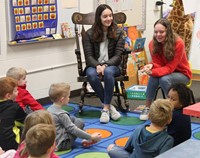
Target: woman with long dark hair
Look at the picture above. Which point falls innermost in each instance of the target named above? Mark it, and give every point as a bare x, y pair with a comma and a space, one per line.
103, 46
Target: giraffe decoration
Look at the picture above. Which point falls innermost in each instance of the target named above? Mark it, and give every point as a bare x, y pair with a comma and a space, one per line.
181, 24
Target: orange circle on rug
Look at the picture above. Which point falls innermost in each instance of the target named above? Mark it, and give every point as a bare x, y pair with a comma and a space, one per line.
121, 141
104, 133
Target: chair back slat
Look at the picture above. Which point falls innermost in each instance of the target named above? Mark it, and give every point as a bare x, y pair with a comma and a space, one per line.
83, 19
88, 19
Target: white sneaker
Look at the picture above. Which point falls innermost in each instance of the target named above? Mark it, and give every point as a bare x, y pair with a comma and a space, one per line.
144, 114
105, 116
114, 114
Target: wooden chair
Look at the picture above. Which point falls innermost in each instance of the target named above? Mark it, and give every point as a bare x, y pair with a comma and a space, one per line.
81, 20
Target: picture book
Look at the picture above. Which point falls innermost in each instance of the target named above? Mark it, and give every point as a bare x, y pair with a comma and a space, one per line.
139, 44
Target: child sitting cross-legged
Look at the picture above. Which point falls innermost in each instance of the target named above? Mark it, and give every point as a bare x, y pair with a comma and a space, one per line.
148, 141
68, 128
40, 141
24, 98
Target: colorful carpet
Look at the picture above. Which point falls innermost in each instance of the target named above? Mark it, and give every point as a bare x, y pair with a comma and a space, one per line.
113, 132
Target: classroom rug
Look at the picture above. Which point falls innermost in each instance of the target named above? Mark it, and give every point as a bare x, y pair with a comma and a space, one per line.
115, 132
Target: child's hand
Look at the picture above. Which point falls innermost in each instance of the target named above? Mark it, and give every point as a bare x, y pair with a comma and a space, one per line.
1, 151
96, 136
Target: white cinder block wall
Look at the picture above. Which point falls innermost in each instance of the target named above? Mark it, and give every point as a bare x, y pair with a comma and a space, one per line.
50, 62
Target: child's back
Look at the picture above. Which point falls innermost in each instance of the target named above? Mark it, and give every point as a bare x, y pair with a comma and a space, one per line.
9, 113
151, 140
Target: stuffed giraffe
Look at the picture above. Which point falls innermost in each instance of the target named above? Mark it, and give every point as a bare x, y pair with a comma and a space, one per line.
181, 24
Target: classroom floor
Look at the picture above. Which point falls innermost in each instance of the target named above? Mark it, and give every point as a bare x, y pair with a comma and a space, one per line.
113, 132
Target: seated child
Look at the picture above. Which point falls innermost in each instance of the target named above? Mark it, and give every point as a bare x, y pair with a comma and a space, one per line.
68, 128
40, 141
10, 112
180, 127
148, 141
34, 118
24, 98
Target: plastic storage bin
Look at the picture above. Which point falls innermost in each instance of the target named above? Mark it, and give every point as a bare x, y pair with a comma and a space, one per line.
136, 92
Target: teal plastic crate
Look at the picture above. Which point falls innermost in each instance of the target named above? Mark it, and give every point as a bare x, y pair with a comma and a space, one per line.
136, 92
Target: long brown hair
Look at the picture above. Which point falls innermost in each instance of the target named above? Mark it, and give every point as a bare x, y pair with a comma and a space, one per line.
98, 34
168, 47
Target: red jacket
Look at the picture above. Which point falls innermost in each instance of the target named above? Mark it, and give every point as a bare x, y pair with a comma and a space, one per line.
25, 98
162, 67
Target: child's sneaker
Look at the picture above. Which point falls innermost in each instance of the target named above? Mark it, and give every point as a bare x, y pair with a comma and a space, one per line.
144, 114
87, 143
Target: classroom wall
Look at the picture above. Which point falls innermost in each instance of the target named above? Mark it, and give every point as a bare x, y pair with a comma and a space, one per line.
50, 62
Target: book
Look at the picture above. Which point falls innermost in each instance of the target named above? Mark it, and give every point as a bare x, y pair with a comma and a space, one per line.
139, 109
139, 44
67, 30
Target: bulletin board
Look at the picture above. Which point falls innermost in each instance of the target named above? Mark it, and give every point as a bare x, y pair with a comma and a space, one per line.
56, 15
135, 10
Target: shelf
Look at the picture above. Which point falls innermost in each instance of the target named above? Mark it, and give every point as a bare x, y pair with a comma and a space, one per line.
38, 41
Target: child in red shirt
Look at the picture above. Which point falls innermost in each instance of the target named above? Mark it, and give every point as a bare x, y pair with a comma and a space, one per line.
24, 98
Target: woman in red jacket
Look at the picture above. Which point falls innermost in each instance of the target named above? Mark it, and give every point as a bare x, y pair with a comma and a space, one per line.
169, 62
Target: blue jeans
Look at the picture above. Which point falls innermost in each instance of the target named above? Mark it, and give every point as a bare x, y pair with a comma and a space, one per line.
118, 152
104, 93
164, 82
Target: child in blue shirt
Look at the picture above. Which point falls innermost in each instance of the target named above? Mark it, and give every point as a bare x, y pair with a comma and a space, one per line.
148, 141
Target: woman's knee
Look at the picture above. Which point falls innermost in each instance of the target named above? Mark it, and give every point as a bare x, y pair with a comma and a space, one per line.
91, 73
165, 79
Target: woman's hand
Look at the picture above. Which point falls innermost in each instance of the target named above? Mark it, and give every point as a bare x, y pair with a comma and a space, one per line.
103, 68
100, 70
147, 68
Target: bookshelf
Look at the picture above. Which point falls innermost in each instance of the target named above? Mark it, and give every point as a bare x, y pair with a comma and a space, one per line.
135, 59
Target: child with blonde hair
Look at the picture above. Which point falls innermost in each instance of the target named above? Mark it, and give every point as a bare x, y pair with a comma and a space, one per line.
148, 140
40, 141
34, 118
10, 112
68, 128
24, 98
